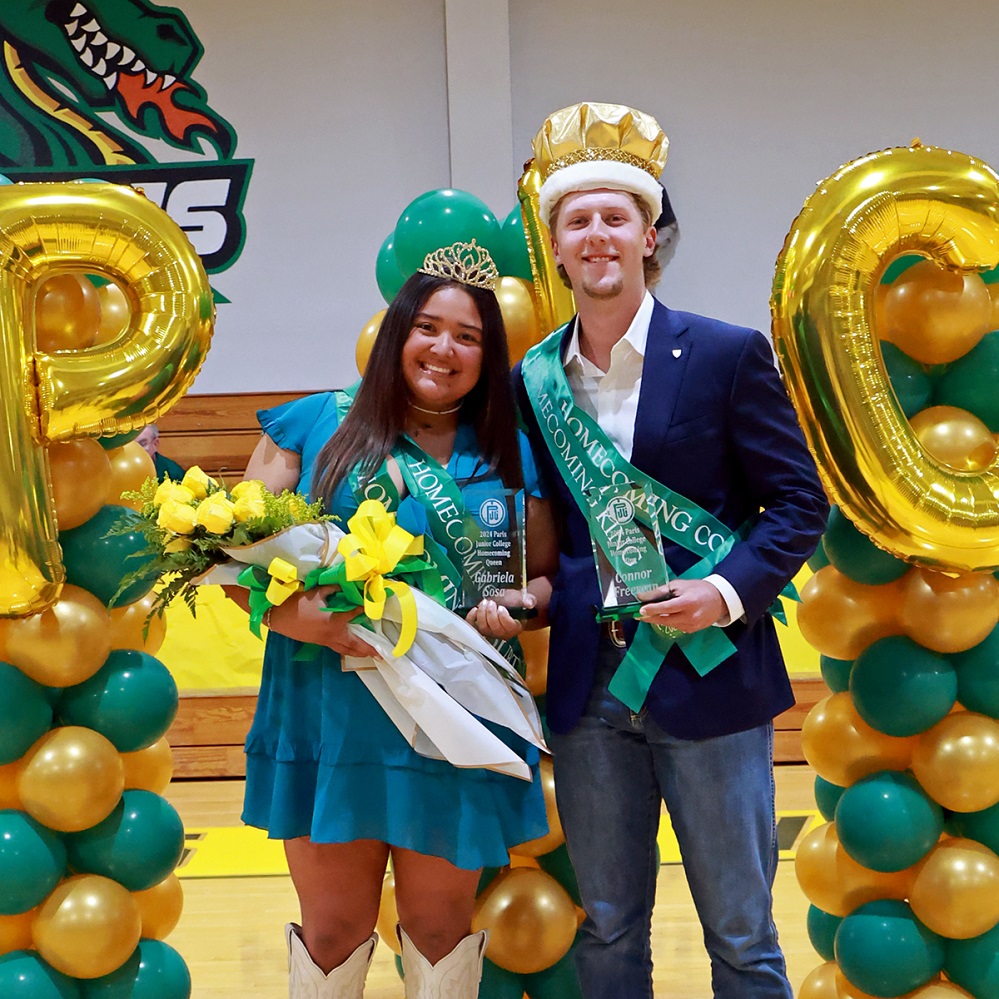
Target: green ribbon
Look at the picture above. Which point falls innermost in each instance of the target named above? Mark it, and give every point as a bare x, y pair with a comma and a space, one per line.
256, 579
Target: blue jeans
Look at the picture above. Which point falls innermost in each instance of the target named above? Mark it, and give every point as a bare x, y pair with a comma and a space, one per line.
611, 773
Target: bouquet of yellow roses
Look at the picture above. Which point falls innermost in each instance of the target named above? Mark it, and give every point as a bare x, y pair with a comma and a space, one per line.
189, 525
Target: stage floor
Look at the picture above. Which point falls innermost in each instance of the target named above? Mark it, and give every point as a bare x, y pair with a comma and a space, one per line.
237, 899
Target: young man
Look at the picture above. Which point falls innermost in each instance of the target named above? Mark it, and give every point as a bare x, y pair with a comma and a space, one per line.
694, 412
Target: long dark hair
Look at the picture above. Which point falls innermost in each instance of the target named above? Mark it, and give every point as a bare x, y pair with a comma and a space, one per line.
377, 417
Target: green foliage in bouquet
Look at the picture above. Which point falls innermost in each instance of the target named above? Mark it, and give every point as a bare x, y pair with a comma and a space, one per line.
186, 525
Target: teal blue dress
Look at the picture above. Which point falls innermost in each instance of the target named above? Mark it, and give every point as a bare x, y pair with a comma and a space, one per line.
323, 759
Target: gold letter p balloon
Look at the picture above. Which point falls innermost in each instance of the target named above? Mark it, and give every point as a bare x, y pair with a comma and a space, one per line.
113, 388
940, 204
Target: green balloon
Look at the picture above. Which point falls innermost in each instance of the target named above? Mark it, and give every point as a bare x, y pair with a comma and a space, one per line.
887, 822
25, 713
856, 556
899, 266
137, 845
901, 688
836, 673
498, 983
974, 964
912, 384
819, 559
514, 259
131, 700
983, 826
978, 676
387, 274
990, 277
486, 878
118, 440
827, 797
884, 950
440, 218
154, 971
97, 562
32, 862
24, 974
559, 866
560, 981
822, 927
970, 382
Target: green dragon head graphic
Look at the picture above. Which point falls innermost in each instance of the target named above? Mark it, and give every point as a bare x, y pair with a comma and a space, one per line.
94, 82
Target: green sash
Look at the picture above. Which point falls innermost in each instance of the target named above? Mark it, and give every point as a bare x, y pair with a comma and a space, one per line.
586, 458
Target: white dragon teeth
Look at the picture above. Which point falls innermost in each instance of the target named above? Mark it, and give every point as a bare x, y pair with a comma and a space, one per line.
100, 68
112, 50
168, 81
127, 55
79, 43
91, 27
151, 77
78, 11
111, 80
138, 66
100, 38
87, 57
71, 28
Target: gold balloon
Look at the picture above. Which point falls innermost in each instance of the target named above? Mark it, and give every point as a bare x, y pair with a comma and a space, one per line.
48, 397
81, 478
841, 618
87, 927
9, 798
555, 302
67, 313
65, 645
160, 907
832, 880
388, 915
820, 983
70, 779
130, 467
554, 837
994, 296
520, 318
116, 310
943, 205
149, 769
955, 437
957, 762
133, 628
956, 889
937, 315
535, 646
15, 931
949, 614
841, 747
366, 340
530, 917
940, 990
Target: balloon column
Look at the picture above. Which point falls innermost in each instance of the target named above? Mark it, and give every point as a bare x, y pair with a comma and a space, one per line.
87, 844
885, 326
439, 218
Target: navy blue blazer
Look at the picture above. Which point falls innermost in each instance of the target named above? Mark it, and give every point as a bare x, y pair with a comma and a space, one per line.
714, 423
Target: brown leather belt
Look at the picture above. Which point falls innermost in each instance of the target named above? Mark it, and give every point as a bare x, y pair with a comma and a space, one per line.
614, 630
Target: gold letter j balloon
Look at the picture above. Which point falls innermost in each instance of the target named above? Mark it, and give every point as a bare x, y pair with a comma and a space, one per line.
108, 389
945, 206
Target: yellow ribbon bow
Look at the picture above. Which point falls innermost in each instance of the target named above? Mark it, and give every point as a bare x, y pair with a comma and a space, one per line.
373, 548
284, 581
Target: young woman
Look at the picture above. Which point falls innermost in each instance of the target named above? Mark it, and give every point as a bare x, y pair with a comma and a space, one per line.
327, 771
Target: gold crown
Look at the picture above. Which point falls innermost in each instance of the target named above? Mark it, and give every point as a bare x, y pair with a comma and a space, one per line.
588, 131
466, 263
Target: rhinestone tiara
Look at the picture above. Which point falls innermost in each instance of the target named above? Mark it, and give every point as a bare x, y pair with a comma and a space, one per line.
466, 263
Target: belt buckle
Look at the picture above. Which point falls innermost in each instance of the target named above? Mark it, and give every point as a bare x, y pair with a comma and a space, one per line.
616, 633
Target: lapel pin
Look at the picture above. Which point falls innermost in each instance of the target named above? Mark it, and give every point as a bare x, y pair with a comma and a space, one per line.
676, 352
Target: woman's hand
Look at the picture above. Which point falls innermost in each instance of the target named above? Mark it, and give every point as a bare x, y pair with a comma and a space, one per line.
492, 619
303, 617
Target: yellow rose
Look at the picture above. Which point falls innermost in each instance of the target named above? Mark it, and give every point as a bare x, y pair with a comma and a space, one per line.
198, 482
176, 546
174, 491
250, 487
248, 507
176, 517
216, 513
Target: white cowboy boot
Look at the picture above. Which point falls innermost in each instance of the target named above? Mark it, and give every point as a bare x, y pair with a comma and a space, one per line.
307, 981
455, 976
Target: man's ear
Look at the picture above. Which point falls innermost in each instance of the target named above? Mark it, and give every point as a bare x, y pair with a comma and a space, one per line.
650, 241
554, 242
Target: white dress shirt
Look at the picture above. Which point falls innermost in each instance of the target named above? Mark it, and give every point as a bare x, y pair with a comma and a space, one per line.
611, 398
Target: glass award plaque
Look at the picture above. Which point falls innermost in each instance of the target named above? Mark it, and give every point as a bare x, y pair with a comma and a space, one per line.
493, 552
627, 548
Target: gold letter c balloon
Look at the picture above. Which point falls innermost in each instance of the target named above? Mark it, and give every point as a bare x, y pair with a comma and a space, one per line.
108, 389
945, 206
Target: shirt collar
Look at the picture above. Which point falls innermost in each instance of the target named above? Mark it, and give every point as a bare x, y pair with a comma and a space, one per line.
636, 337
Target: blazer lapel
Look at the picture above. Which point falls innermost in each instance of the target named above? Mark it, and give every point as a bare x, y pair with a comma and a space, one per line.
666, 355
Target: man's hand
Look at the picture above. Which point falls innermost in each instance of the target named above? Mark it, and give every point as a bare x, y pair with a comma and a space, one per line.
694, 605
